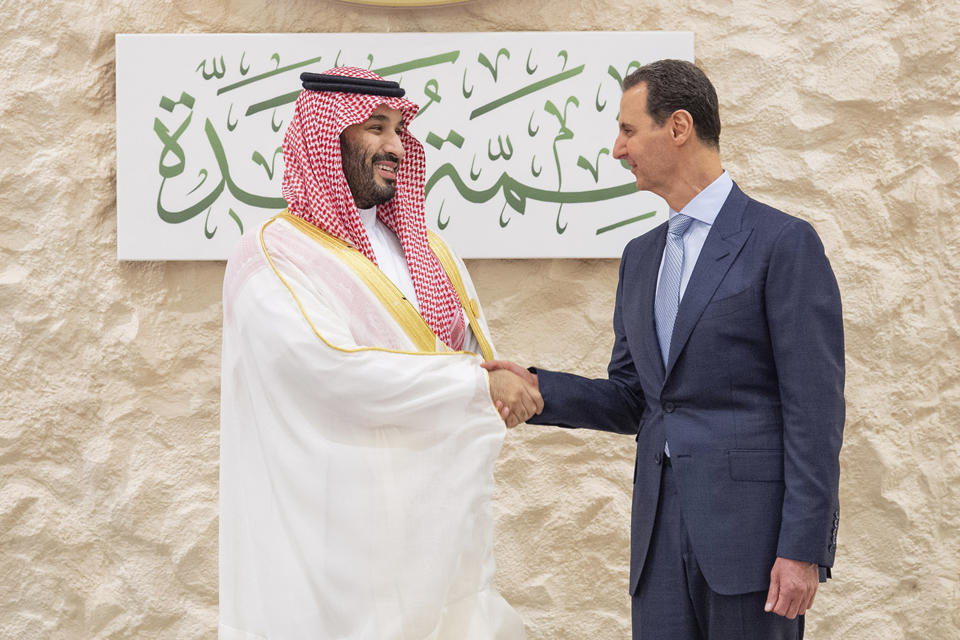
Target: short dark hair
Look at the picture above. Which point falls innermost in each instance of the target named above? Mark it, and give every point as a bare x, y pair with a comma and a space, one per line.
677, 84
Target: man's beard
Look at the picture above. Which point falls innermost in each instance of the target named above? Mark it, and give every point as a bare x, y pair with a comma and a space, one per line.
367, 192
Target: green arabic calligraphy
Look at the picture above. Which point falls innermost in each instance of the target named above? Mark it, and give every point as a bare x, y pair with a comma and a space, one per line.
186, 100
206, 226
516, 193
563, 133
226, 181
453, 138
171, 144
474, 174
594, 167
525, 91
494, 66
419, 63
600, 107
613, 73
268, 74
215, 73
622, 223
506, 152
441, 223
203, 178
205, 195
432, 90
260, 160
530, 70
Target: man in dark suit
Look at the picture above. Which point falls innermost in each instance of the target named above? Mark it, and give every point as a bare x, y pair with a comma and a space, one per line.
728, 368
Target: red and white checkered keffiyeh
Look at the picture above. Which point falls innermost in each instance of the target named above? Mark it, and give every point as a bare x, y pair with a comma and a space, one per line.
316, 190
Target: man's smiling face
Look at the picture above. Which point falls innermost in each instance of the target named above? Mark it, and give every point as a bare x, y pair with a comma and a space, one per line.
372, 153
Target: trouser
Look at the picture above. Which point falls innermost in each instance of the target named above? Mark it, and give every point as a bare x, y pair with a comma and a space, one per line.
673, 600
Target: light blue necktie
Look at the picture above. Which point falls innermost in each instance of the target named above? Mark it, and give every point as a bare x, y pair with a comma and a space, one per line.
668, 291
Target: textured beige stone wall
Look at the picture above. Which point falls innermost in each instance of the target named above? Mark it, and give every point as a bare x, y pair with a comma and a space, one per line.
843, 113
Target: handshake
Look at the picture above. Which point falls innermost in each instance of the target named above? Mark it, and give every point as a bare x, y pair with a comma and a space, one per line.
514, 390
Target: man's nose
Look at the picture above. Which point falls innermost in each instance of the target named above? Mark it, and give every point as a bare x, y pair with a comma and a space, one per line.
619, 148
394, 145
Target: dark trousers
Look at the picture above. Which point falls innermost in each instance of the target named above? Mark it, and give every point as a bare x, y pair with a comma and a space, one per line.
673, 600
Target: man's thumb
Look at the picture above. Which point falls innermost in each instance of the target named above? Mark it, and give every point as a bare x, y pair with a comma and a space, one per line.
773, 592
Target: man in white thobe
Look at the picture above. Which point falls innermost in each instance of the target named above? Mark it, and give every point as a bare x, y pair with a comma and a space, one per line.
358, 431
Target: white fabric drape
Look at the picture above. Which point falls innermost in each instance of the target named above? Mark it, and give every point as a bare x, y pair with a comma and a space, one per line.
355, 482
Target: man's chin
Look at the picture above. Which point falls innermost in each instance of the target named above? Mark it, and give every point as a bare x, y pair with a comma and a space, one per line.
386, 188
637, 180
385, 195
643, 185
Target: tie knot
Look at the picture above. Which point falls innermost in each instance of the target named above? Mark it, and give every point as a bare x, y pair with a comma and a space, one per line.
679, 224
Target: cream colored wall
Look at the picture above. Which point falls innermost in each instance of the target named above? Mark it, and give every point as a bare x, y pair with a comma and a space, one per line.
842, 113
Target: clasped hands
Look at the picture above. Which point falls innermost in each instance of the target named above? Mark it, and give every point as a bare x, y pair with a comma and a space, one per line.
514, 390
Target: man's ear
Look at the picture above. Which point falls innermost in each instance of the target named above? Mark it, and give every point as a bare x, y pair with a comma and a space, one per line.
681, 126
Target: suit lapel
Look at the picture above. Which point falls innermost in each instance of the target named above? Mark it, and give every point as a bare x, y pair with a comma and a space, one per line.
647, 272
720, 249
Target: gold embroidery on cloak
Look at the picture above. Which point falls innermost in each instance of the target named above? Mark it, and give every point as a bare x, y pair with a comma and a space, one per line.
402, 311
470, 306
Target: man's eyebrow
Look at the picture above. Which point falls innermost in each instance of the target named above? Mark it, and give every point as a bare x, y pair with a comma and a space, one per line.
379, 117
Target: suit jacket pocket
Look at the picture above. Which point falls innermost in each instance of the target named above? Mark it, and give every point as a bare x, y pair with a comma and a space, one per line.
756, 465
745, 299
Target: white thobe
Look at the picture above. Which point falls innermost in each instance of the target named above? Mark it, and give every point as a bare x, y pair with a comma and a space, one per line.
356, 471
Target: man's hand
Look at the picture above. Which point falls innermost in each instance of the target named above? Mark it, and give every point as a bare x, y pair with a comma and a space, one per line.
513, 367
516, 399
793, 585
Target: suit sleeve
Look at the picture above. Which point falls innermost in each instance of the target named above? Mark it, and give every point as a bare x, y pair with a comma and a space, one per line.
806, 332
612, 404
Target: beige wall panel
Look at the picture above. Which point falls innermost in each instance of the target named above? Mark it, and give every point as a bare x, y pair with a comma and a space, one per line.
844, 114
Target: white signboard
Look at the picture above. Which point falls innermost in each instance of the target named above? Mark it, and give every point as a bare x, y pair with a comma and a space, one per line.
518, 130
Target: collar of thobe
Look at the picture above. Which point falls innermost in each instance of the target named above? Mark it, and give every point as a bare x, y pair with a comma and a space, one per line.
390, 257
369, 218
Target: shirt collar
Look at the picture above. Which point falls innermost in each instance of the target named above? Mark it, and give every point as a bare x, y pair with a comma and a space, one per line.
706, 205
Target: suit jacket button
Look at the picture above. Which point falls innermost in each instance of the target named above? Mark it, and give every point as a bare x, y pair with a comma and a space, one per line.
668, 407
658, 458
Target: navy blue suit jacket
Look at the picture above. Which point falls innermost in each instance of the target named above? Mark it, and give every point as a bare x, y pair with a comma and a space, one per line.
750, 399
